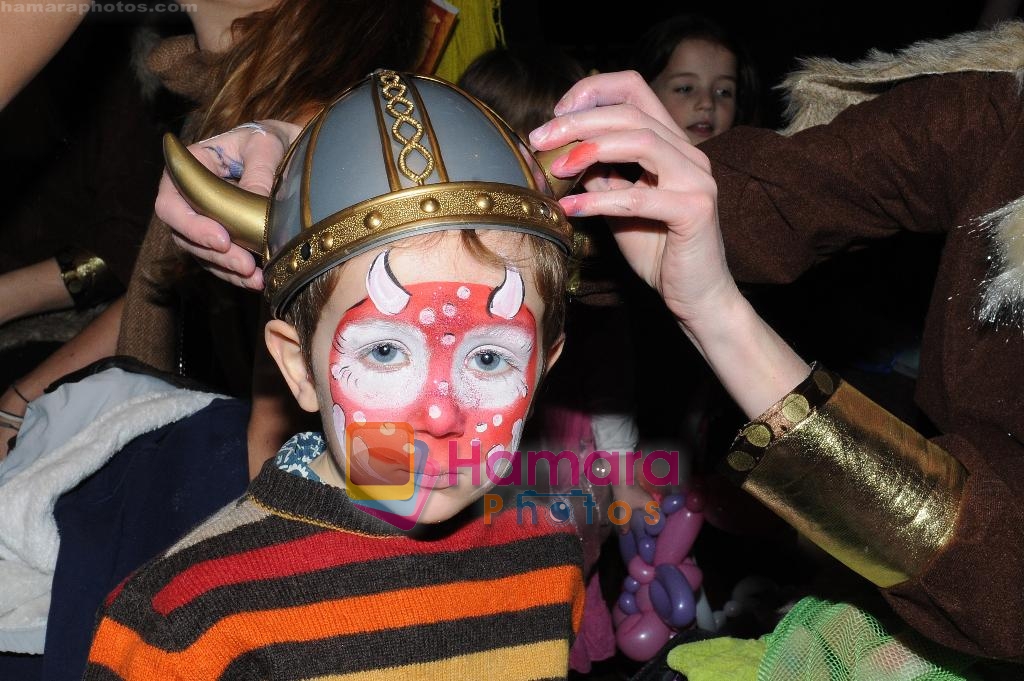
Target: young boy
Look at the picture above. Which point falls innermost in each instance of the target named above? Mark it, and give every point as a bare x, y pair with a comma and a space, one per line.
417, 291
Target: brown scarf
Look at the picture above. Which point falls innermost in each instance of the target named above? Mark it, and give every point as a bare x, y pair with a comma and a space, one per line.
149, 323
184, 69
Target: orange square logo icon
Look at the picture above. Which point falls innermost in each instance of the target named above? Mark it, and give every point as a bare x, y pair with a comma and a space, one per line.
380, 461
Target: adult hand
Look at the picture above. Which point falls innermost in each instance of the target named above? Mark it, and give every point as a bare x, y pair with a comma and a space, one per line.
666, 221
666, 224
249, 154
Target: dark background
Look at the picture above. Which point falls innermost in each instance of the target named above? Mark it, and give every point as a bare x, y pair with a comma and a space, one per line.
602, 35
37, 126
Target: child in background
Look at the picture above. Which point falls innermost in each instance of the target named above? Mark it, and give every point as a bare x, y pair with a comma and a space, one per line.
397, 300
701, 74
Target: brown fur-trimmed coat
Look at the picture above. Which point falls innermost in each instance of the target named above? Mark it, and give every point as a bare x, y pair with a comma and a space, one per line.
927, 140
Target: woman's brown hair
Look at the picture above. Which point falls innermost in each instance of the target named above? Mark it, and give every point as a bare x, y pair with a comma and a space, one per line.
296, 56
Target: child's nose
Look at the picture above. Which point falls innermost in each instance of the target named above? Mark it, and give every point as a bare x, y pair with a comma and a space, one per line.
443, 416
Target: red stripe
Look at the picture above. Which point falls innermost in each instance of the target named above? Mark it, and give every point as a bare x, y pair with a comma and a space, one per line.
329, 549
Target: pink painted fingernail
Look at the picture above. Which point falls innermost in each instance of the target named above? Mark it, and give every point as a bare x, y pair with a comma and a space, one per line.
581, 156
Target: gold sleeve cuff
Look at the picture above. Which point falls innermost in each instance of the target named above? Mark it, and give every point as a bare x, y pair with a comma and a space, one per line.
851, 477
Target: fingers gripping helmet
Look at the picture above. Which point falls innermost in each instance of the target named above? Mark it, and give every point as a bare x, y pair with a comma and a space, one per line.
394, 156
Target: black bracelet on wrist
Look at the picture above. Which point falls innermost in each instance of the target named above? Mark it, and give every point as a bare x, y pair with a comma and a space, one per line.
17, 392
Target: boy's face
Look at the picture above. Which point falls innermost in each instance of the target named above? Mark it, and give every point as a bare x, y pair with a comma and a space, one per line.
433, 338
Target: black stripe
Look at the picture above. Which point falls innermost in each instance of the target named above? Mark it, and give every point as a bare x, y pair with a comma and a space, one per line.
408, 645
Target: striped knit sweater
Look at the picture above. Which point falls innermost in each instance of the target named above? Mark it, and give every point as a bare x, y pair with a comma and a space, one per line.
294, 582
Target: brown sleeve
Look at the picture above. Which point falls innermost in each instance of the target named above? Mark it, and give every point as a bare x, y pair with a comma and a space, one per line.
902, 161
970, 595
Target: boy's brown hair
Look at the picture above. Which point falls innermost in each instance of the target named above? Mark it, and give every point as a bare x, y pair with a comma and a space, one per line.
547, 259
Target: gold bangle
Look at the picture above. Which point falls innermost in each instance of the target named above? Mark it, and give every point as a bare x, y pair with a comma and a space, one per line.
755, 438
86, 277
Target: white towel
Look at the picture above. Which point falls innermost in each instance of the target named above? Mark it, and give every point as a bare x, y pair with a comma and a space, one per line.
67, 435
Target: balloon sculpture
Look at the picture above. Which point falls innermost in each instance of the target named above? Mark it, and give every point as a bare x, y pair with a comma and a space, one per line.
657, 597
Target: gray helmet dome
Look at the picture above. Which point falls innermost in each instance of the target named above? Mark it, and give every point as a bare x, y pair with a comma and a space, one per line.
394, 156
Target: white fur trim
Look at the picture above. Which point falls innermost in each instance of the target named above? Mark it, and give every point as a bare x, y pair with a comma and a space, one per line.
1002, 297
823, 87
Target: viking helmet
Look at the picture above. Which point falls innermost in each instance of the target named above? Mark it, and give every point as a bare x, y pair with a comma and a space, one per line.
394, 156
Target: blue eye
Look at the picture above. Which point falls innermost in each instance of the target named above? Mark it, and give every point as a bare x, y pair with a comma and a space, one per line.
386, 353
489, 361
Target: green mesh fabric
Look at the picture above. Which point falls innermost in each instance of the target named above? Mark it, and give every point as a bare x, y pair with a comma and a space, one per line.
825, 641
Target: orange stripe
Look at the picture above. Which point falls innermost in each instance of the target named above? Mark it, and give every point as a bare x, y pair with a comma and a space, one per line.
543, 660
123, 650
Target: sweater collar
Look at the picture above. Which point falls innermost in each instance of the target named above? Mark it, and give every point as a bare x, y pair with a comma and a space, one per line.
282, 489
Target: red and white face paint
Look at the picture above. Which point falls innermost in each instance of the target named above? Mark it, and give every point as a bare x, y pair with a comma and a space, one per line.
456, 361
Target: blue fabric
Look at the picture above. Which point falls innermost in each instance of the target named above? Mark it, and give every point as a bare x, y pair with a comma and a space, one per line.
14, 667
301, 450
148, 495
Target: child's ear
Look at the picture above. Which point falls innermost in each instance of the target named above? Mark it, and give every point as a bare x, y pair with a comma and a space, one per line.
554, 352
283, 344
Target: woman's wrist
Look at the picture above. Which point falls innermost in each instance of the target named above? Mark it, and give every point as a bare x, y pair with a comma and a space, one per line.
754, 364
13, 403
717, 320
12, 413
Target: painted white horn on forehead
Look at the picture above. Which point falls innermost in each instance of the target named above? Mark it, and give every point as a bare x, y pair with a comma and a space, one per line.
384, 290
506, 300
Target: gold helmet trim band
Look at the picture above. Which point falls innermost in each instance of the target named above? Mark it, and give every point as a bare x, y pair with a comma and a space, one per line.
408, 212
